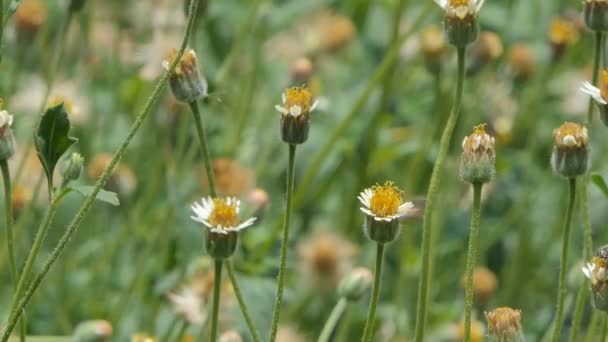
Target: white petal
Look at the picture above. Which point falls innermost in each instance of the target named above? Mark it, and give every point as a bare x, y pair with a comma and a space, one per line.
442, 3
461, 11
295, 110
281, 109
594, 92
367, 211
569, 140
479, 5
283, 98
314, 105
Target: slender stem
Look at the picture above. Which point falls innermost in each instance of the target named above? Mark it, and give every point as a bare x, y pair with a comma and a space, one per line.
88, 202
471, 258
604, 328
596, 67
239, 297
2, 24
590, 334
216, 300
368, 332
581, 298
333, 320
169, 331
561, 292
200, 130
281, 278
432, 193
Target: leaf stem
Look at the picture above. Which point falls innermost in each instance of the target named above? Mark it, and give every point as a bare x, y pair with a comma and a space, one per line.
471, 258
217, 285
200, 130
333, 320
368, 332
561, 292
88, 202
432, 194
239, 297
284, 243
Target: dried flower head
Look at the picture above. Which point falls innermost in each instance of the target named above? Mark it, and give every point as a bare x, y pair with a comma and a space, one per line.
301, 70
486, 49
485, 284
231, 177
295, 113
570, 157
504, 324
521, 61
325, 257
186, 81
188, 304
29, 17
597, 272
478, 161
337, 32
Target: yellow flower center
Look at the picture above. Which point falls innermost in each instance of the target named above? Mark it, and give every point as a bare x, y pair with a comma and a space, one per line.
458, 3
385, 200
187, 64
565, 134
298, 96
599, 262
604, 84
224, 214
562, 32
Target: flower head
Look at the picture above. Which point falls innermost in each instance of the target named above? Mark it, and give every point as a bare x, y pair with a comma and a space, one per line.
220, 215
186, 81
504, 324
570, 157
570, 135
484, 284
188, 304
477, 164
597, 272
563, 33
461, 9
297, 101
6, 121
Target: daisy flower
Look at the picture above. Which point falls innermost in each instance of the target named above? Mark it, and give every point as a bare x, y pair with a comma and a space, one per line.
297, 101
220, 215
385, 203
600, 95
460, 8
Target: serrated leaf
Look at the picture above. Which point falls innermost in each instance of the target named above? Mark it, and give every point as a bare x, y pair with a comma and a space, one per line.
103, 195
52, 139
599, 181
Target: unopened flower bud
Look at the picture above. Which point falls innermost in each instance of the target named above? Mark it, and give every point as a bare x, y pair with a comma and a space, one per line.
478, 160
596, 14
93, 331
570, 157
504, 325
76, 5
230, 336
461, 24
433, 47
295, 114
186, 81
597, 272
71, 169
563, 34
356, 284
7, 139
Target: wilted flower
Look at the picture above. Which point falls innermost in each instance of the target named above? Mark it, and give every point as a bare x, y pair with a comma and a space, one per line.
599, 95
295, 114
383, 206
461, 24
29, 17
521, 61
7, 139
504, 324
93, 331
570, 157
484, 284
186, 81
433, 47
325, 258
596, 14
597, 272
188, 304
220, 216
563, 34
478, 161
356, 284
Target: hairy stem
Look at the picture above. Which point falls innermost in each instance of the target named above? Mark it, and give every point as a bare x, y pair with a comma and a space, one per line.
333, 320
217, 285
471, 257
239, 296
200, 130
369, 325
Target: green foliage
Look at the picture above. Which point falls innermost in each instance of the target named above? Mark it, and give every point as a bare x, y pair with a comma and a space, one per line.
102, 196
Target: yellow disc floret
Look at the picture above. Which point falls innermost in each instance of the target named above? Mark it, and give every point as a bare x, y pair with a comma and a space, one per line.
187, 64
224, 213
298, 96
570, 135
458, 3
385, 200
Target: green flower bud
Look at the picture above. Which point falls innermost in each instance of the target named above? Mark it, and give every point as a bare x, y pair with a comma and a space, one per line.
186, 81
478, 161
356, 284
7, 139
295, 114
596, 14
570, 156
93, 331
221, 245
71, 169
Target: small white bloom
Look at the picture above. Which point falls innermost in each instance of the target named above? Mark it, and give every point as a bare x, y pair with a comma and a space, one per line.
387, 209
220, 215
594, 92
188, 304
459, 8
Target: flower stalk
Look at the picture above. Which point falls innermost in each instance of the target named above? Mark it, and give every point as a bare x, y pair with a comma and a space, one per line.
333, 320
369, 325
200, 130
255, 335
216, 300
471, 257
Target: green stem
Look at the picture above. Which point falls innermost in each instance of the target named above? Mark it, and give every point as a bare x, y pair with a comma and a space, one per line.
239, 297
433, 191
561, 292
596, 67
281, 277
590, 334
581, 298
604, 328
2, 24
368, 332
471, 258
200, 130
333, 320
169, 331
182, 330
217, 285
88, 202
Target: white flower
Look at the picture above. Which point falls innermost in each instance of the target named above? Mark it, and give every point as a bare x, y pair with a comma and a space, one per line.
460, 8
388, 206
296, 101
594, 92
220, 215
6, 120
588, 270
188, 304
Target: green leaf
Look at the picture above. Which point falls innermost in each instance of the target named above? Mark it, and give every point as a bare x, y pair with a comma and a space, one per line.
52, 139
600, 183
103, 195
